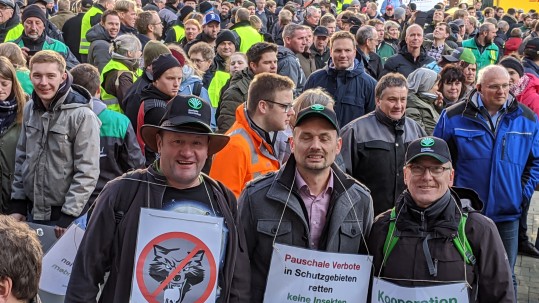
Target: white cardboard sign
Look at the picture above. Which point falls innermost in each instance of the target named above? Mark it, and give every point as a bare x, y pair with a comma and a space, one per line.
383, 291
303, 275
177, 257
58, 261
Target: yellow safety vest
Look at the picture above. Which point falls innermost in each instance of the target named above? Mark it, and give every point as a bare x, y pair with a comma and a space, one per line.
248, 36
14, 33
179, 31
217, 83
85, 27
340, 4
110, 100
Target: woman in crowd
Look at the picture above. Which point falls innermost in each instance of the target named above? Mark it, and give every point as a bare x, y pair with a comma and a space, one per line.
12, 100
236, 63
388, 47
423, 98
451, 84
14, 54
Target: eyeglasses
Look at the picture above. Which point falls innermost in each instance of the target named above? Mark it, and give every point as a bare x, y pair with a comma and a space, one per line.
435, 171
498, 87
286, 107
4, 8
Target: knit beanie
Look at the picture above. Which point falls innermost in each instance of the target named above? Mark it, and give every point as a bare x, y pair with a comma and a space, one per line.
247, 4
225, 35
34, 11
186, 10
205, 7
510, 62
162, 64
152, 50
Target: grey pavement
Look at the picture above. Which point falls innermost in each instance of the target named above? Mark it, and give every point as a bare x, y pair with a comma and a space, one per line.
526, 268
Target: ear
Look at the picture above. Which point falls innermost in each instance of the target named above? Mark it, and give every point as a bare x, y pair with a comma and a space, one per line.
451, 177
6, 285
478, 87
406, 173
339, 145
64, 76
252, 65
263, 107
292, 144
159, 142
378, 101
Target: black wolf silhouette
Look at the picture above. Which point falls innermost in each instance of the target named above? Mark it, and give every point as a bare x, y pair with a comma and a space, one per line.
166, 260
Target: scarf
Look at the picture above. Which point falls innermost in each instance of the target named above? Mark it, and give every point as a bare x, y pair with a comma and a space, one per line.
8, 113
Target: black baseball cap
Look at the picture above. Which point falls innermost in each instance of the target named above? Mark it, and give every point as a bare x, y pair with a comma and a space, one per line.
533, 44
321, 31
318, 110
428, 146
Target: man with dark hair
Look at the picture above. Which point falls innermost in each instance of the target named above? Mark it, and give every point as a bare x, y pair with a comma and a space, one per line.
254, 136
91, 16
437, 47
100, 37
210, 30
345, 79
327, 211
245, 33
120, 151
374, 145
173, 183
486, 52
320, 48
20, 261
149, 27
367, 41
53, 183
261, 57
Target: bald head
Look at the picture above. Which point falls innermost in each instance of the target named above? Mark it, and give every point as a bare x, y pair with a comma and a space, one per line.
492, 71
493, 86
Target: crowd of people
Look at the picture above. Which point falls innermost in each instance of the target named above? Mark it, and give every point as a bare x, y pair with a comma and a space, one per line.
334, 126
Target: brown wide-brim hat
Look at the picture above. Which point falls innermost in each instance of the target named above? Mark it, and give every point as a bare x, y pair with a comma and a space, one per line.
186, 115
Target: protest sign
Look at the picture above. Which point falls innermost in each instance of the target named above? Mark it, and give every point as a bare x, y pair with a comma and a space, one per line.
177, 257
421, 5
58, 261
383, 291
303, 275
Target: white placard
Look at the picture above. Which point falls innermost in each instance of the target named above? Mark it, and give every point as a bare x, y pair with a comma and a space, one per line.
303, 275
58, 261
421, 5
177, 257
383, 291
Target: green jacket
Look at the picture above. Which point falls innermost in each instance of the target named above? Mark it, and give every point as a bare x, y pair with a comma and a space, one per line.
489, 56
23, 75
385, 50
55, 45
422, 111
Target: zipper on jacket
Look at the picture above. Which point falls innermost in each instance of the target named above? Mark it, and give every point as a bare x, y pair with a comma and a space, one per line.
503, 148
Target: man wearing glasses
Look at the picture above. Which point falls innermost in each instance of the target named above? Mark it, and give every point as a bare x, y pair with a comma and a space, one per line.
416, 243
494, 143
256, 134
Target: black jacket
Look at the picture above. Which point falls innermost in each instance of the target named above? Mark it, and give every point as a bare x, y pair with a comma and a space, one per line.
132, 99
373, 150
71, 32
110, 246
404, 63
373, 65
490, 277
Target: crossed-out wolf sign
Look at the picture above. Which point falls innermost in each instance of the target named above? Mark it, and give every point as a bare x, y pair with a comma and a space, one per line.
175, 267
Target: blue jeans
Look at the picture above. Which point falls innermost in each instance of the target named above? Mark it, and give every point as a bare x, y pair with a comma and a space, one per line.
509, 233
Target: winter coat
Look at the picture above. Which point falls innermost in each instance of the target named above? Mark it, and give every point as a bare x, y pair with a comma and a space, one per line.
288, 65
63, 171
262, 203
47, 43
421, 110
529, 95
385, 50
307, 63
13, 22
132, 98
320, 59
490, 54
404, 63
530, 67
501, 165
373, 149
373, 64
235, 95
490, 278
100, 40
246, 156
61, 17
71, 33
169, 13
353, 90
8, 143
120, 151
110, 246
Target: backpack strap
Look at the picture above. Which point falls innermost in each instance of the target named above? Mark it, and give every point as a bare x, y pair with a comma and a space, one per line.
197, 89
461, 242
391, 238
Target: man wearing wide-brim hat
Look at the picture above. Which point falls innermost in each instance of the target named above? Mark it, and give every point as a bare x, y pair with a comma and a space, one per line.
184, 140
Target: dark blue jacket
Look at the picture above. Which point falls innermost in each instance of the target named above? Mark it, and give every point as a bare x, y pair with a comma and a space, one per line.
502, 166
353, 90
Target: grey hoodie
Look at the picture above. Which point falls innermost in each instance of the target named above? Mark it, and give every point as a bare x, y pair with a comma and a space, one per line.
100, 40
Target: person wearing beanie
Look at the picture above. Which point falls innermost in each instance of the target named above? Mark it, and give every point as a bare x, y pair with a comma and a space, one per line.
205, 7
250, 6
177, 32
226, 45
10, 23
167, 75
132, 98
514, 68
50, 29
34, 38
246, 34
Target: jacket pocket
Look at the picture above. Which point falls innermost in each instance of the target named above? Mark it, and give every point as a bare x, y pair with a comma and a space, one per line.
351, 107
350, 236
58, 142
516, 147
271, 228
472, 144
